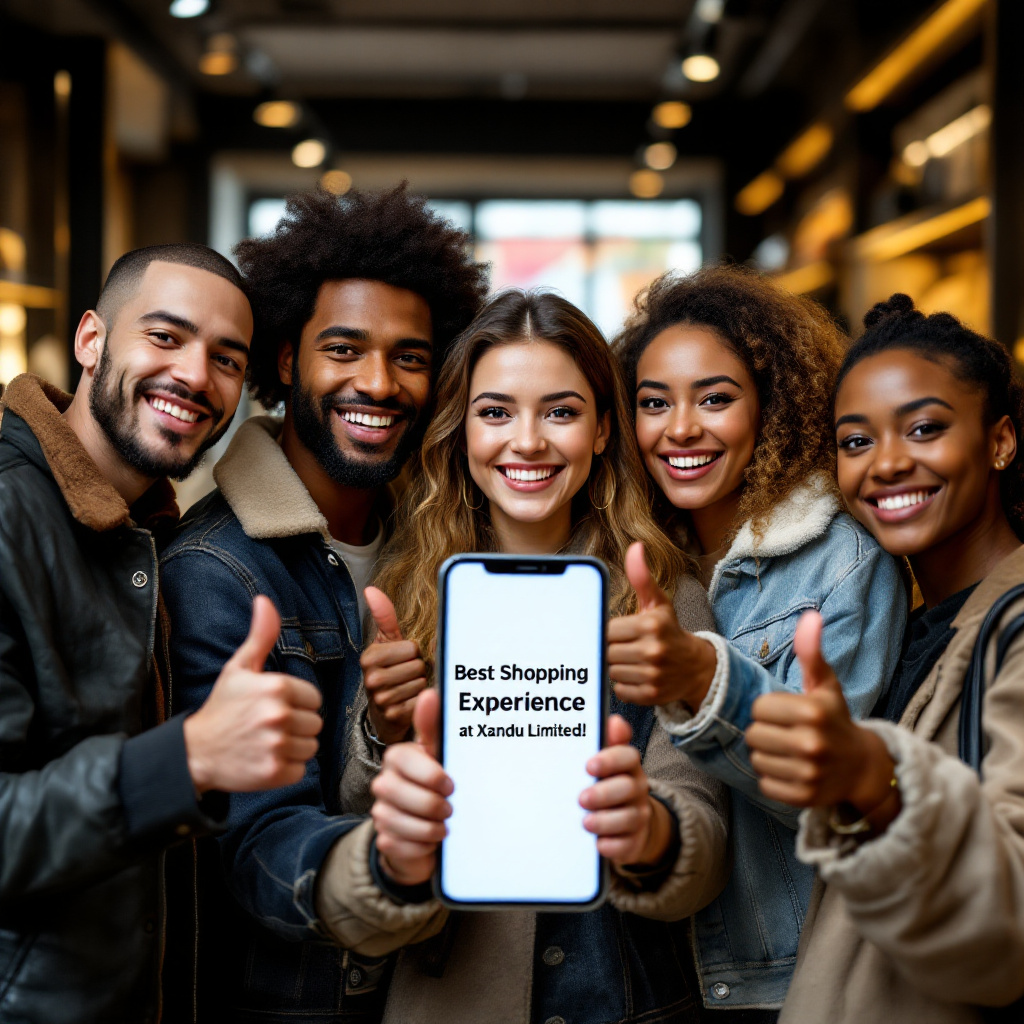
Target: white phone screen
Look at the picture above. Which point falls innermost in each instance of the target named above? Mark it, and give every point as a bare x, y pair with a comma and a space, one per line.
522, 664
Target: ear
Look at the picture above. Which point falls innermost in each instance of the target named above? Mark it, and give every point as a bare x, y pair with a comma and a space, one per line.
285, 358
1004, 439
90, 338
604, 432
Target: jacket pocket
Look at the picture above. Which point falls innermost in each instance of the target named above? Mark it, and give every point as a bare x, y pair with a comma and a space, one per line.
311, 642
766, 641
14, 950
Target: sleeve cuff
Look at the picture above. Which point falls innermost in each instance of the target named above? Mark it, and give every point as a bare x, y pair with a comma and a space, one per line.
649, 877
677, 718
400, 894
159, 799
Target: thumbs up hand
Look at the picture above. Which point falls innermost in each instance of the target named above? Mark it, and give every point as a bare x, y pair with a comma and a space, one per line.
393, 672
651, 659
807, 749
411, 799
256, 729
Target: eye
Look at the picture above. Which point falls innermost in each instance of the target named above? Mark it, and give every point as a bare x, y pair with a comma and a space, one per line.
412, 360
717, 398
228, 362
926, 430
564, 412
163, 337
652, 402
853, 441
341, 349
493, 412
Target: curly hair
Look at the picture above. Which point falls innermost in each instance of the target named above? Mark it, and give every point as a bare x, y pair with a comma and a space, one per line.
435, 519
388, 236
978, 362
790, 346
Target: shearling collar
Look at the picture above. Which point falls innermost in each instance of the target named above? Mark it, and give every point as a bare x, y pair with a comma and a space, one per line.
803, 515
92, 500
263, 490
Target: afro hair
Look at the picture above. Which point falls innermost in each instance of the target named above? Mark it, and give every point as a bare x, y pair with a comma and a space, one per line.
389, 236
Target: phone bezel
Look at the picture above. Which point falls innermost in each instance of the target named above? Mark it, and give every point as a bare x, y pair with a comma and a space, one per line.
539, 565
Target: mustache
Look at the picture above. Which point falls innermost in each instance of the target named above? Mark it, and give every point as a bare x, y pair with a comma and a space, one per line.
331, 402
178, 391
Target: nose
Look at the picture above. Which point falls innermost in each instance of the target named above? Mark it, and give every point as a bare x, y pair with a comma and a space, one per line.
191, 368
891, 460
528, 439
683, 426
375, 378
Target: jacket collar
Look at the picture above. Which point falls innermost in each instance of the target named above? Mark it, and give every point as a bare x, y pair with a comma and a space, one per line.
92, 500
803, 515
941, 689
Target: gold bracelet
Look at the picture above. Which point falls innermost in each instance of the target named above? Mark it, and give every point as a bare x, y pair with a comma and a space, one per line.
861, 825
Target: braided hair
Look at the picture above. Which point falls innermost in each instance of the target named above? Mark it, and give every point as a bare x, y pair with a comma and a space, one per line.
978, 362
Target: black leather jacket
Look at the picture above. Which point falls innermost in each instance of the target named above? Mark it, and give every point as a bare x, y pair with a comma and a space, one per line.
89, 797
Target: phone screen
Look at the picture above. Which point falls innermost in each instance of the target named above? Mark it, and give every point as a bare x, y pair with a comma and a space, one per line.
522, 667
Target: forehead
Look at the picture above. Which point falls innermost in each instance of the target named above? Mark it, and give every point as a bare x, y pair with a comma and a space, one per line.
887, 380
208, 300
378, 308
686, 352
527, 369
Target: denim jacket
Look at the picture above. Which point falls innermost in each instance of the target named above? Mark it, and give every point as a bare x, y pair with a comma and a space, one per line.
812, 555
261, 947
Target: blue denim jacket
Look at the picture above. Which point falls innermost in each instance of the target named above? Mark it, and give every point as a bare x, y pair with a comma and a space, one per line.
261, 946
812, 556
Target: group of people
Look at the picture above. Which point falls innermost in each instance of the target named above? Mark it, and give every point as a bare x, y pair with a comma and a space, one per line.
220, 795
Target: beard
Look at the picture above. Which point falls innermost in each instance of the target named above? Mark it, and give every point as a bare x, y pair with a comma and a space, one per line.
314, 429
117, 414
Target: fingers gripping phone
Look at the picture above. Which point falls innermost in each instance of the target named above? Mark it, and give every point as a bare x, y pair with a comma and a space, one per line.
522, 678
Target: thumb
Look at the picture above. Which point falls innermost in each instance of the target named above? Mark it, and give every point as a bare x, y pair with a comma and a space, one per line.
383, 612
618, 732
263, 633
817, 672
649, 594
426, 720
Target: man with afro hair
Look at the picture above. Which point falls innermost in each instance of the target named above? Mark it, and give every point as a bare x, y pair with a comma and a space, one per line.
356, 302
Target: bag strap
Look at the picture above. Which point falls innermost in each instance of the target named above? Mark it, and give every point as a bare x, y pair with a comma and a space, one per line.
972, 745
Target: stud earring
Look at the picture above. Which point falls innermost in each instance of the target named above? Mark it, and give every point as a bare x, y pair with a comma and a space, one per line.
1000, 463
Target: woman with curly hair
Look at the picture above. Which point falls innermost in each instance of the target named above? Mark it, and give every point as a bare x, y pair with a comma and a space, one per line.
732, 379
920, 855
526, 454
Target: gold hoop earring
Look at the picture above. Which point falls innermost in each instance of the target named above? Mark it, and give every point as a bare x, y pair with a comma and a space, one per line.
465, 499
607, 504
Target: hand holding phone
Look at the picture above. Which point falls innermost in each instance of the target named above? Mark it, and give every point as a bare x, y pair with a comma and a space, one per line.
394, 673
410, 800
651, 658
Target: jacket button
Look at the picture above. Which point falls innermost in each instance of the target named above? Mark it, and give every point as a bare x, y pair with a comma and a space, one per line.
553, 956
720, 990
332, 558
355, 977
555, 1020
140, 579
308, 648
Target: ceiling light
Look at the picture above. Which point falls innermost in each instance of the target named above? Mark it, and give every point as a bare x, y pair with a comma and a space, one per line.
806, 151
710, 11
660, 156
277, 114
701, 67
671, 114
309, 153
916, 154
219, 62
337, 182
646, 184
942, 142
222, 42
756, 197
12, 318
920, 46
189, 8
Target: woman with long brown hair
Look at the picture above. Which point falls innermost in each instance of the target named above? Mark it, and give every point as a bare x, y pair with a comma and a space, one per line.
525, 455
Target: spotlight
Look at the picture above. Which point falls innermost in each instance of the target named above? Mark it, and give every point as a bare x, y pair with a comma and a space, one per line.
660, 156
309, 153
701, 67
646, 184
277, 114
337, 182
219, 62
671, 114
189, 8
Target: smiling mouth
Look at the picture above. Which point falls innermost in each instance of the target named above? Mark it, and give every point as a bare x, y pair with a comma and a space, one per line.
363, 419
897, 502
691, 461
171, 409
529, 475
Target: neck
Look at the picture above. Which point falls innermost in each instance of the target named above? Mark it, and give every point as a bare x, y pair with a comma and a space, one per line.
965, 557
547, 537
348, 510
712, 523
127, 481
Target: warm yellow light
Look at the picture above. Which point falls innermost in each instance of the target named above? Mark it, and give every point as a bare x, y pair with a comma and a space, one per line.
671, 114
810, 278
701, 67
928, 38
646, 184
222, 42
13, 359
218, 63
338, 182
916, 154
660, 156
756, 197
276, 114
1018, 350
309, 153
12, 318
62, 84
12, 250
806, 151
885, 243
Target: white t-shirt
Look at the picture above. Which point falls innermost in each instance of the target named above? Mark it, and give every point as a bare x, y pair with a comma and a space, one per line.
360, 561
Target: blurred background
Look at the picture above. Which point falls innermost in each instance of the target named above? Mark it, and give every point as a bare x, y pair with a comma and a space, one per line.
850, 147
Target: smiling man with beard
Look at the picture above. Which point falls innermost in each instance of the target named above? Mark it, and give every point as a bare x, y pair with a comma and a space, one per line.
357, 301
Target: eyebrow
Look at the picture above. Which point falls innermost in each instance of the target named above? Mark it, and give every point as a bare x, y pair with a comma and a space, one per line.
899, 411
184, 324
656, 384
557, 396
493, 396
358, 334
703, 382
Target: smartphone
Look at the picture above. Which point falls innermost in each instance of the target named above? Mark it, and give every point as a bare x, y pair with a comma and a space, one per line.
522, 674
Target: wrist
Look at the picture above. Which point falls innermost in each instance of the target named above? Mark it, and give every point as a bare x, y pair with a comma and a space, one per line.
873, 783
198, 767
704, 662
659, 833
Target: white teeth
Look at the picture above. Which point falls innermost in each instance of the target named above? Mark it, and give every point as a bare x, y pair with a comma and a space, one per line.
528, 475
898, 501
174, 410
690, 461
366, 420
